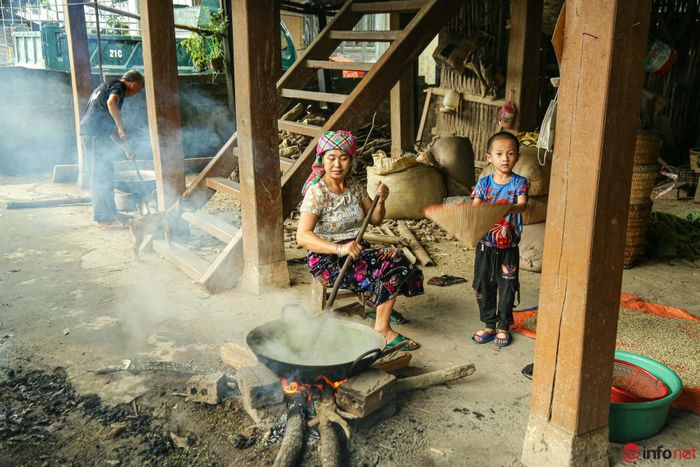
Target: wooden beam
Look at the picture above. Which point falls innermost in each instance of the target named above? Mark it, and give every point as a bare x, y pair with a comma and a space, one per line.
313, 96
81, 76
328, 65
393, 6
522, 73
299, 128
372, 89
264, 263
211, 224
365, 36
228, 60
163, 99
599, 97
222, 165
225, 186
402, 102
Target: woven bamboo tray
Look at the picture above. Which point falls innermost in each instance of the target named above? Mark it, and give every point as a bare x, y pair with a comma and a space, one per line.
643, 181
637, 224
647, 148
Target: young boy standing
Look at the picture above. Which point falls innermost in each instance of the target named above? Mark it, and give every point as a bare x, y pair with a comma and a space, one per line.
497, 254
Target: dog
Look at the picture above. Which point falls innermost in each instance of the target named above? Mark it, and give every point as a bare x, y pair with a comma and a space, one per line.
144, 228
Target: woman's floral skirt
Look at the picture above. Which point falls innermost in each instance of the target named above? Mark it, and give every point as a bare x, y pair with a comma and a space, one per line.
379, 274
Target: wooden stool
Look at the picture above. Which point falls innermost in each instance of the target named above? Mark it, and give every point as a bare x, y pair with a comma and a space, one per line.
321, 293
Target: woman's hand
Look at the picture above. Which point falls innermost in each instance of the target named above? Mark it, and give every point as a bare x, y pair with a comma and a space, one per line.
382, 192
352, 248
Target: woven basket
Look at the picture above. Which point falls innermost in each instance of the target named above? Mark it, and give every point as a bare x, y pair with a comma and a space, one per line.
647, 148
643, 181
637, 224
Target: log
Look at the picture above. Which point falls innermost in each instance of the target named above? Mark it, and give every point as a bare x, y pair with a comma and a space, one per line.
46, 203
434, 378
329, 448
422, 255
293, 441
409, 255
294, 112
237, 356
395, 364
390, 239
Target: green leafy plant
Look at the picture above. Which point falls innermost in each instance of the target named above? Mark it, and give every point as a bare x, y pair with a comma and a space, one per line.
208, 49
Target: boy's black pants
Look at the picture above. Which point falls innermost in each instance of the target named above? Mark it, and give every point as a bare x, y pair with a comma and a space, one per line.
496, 276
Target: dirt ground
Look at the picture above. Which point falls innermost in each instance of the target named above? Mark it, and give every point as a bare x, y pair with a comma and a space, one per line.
73, 300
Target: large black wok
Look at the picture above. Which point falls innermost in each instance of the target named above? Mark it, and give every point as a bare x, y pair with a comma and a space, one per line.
304, 348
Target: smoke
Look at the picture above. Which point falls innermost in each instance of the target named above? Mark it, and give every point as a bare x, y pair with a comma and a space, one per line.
37, 124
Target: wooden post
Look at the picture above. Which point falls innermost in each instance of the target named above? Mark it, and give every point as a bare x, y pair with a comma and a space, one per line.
81, 78
523, 67
599, 96
401, 100
163, 99
228, 59
256, 23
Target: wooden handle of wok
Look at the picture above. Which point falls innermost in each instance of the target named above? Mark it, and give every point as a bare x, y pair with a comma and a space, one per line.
348, 260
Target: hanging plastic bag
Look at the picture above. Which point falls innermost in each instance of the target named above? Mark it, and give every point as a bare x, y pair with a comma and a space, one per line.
507, 113
545, 140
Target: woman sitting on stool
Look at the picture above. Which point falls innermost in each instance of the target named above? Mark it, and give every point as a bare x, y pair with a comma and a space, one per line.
332, 212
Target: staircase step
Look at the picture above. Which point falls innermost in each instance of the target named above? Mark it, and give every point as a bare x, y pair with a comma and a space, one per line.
405, 6
211, 225
286, 162
226, 186
299, 128
365, 36
313, 96
183, 258
329, 65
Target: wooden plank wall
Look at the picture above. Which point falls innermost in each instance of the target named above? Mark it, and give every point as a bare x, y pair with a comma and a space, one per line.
476, 121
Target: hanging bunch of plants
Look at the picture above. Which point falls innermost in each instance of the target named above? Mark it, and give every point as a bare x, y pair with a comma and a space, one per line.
206, 50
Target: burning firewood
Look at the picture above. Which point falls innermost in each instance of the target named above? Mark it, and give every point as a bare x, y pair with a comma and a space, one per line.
326, 414
293, 441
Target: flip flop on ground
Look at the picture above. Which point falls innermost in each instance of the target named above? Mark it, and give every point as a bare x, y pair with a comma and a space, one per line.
483, 336
396, 317
411, 345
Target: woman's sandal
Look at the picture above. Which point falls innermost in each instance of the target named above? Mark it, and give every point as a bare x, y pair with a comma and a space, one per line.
396, 317
410, 346
483, 338
507, 339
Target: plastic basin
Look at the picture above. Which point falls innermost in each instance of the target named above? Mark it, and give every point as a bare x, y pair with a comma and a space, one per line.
640, 420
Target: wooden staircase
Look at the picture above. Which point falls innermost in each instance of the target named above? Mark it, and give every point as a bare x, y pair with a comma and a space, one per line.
429, 16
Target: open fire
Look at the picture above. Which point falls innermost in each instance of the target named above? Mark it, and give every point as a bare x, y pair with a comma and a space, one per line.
294, 388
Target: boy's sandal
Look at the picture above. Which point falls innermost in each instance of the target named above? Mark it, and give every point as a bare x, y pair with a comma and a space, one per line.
528, 370
507, 339
396, 317
409, 346
483, 338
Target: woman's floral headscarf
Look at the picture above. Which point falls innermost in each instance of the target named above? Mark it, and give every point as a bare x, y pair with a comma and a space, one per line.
330, 140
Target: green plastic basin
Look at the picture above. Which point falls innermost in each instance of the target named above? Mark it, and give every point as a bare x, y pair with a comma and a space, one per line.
640, 420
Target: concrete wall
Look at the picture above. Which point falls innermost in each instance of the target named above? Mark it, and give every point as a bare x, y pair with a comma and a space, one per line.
37, 127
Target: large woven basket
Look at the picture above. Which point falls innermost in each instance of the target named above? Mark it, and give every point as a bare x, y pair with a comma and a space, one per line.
637, 225
647, 148
643, 180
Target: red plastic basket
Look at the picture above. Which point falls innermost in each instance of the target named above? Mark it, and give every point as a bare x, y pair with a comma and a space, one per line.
631, 383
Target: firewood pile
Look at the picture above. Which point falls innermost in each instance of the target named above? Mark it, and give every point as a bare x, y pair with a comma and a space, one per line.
292, 145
